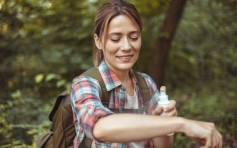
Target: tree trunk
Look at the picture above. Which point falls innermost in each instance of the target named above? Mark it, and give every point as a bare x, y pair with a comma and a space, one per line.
167, 31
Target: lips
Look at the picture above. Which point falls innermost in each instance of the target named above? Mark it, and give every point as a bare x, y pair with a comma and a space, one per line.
125, 58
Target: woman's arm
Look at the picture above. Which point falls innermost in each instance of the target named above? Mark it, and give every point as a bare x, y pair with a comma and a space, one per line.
134, 127
130, 127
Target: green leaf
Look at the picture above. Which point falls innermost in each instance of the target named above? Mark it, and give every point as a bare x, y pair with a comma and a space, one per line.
16, 94
39, 78
51, 76
61, 83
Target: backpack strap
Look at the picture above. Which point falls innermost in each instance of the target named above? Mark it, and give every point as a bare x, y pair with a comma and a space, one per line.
95, 73
143, 88
145, 92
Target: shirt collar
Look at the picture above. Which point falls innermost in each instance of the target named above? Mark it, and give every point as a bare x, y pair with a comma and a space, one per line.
110, 79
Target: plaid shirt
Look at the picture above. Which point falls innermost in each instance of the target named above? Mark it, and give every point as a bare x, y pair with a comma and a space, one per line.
87, 107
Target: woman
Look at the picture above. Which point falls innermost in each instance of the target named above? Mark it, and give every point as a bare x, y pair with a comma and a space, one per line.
117, 39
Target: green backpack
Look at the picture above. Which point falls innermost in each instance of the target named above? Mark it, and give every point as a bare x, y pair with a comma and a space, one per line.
62, 131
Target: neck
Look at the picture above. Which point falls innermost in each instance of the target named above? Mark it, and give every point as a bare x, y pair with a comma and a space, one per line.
123, 75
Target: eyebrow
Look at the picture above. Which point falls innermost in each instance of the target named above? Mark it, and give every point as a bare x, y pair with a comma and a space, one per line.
119, 33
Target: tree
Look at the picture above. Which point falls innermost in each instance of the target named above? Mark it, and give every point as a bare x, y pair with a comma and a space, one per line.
165, 36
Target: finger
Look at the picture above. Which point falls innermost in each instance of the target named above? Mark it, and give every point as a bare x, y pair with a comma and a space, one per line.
158, 111
215, 140
213, 136
208, 142
176, 114
171, 106
219, 140
171, 113
162, 89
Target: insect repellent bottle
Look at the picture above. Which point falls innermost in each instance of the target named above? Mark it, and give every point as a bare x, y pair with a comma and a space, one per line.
164, 102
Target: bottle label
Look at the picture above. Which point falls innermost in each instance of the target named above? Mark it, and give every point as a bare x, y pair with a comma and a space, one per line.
164, 105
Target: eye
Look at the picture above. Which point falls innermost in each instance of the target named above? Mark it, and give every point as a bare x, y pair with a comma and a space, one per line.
114, 39
134, 38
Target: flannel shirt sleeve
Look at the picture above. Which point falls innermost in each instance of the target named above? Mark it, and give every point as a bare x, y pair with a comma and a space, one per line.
86, 102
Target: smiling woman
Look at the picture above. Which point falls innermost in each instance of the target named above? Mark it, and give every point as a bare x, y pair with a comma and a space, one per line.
121, 46
117, 37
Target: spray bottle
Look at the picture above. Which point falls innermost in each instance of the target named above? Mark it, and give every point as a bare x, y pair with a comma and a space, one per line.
164, 102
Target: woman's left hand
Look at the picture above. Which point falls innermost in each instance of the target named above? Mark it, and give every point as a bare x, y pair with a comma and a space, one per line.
170, 110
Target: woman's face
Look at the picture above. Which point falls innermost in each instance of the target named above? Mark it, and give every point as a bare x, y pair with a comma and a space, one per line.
122, 44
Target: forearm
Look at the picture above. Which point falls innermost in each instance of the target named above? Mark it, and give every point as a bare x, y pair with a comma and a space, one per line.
164, 142
131, 127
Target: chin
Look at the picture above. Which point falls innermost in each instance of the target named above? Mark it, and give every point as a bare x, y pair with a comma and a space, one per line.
126, 66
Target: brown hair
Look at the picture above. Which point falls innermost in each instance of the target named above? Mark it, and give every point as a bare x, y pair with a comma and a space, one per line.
105, 14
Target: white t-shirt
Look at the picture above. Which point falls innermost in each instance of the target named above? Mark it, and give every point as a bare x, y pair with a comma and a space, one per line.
132, 103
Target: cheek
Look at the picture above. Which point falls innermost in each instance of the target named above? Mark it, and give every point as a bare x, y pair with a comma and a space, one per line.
137, 46
109, 49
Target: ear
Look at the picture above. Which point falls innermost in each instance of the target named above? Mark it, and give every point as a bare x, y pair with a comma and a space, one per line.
97, 41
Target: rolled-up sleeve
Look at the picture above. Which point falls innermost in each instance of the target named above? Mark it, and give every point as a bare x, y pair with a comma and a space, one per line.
86, 103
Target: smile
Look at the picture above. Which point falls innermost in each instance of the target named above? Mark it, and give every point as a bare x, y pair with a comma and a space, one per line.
125, 58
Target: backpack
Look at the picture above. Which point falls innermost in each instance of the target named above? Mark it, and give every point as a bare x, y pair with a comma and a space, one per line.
62, 131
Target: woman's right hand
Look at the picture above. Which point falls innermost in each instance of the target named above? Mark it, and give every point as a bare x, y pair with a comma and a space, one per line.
204, 132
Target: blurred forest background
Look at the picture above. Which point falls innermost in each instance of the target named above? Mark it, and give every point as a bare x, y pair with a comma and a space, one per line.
44, 44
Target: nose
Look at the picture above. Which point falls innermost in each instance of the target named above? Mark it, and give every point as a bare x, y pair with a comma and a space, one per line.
126, 44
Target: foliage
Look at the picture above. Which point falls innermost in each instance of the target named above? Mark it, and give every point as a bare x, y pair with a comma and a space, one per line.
45, 43
20, 118
202, 70
207, 105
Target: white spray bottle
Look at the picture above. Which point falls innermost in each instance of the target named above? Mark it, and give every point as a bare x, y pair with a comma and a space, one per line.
164, 102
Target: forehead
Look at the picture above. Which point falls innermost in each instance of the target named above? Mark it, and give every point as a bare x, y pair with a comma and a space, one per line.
122, 23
